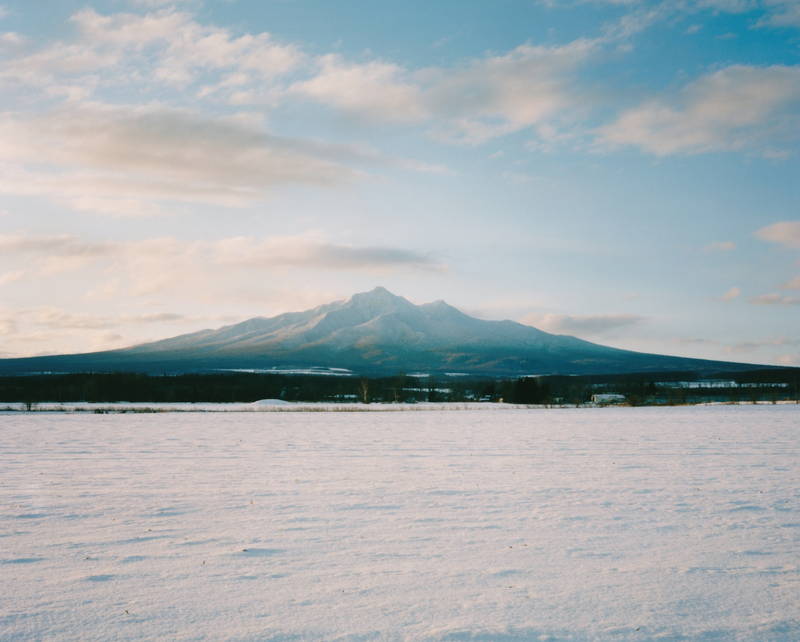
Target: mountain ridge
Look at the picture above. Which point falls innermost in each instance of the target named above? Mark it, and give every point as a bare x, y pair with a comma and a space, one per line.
372, 333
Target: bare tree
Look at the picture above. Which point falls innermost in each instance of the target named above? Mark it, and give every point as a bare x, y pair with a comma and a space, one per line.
364, 387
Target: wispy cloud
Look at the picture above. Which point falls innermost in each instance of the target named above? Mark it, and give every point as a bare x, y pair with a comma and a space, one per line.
122, 159
780, 13
748, 346
60, 245
164, 264
40, 330
119, 159
528, 86
95, 155
52, 254
59, 319
11, 41
11, 277
737, 108
186, 47
785, 233
731, 294
770, 13
378, 90
588, 324
774, 298
720, 246
161, 3
470, 103
793, 284
163, 47
308, 252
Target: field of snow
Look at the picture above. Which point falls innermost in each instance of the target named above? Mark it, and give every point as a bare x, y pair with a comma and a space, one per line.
563, 524
263, 405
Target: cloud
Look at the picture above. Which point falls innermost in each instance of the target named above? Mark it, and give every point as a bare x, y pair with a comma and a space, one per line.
48, 65
793, 284
588, 324
731, 294
781, 13
240, 251
119, 159
380, 91
55, 318
184, 46
163, 47
64, 245
786, 233
59, 253
739, 107
159, 3
11, 277
720, 246
695, 341
774, 13
470, 103
749, 346
10, 41
310, 253
130, 29
53, 330
774, 298
728, 6
199, 268
58, 319
528, 86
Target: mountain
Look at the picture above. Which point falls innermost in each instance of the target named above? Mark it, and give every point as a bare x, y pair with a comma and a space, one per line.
372, 333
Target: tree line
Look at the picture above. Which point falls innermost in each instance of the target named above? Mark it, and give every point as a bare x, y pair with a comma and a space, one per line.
638, 389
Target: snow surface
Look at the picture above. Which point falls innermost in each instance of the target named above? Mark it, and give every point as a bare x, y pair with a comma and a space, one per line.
564, 524
270, 402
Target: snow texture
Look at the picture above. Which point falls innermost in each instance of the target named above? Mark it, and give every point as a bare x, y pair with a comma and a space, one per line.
564, 524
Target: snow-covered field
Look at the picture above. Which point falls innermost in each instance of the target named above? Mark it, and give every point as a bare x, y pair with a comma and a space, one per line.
563, 524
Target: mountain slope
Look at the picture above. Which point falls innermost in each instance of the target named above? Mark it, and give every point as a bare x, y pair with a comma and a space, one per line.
373, 332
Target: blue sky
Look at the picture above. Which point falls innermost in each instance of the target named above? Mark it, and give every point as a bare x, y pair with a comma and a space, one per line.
622, 171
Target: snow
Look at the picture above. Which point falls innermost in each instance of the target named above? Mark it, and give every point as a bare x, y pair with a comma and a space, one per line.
313, 370
270, 402
562, 524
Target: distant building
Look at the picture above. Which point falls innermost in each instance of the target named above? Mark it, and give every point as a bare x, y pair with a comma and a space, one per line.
608, 397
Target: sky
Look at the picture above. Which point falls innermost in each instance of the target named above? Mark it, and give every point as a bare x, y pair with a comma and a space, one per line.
619, 170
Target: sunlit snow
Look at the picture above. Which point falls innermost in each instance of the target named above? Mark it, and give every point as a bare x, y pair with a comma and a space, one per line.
562, 524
